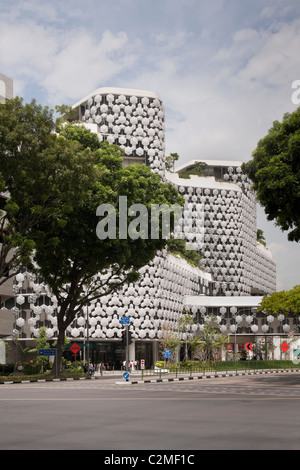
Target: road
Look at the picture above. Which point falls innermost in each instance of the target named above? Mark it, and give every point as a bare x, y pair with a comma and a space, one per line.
259, 412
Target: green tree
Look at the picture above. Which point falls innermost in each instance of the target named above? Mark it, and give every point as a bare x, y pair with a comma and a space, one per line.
212, 340
77, 265
185, 323
41, 342
286, 303
169, 340
39, 178
178, 246
275, 172
170, 161
56, 176
260, 237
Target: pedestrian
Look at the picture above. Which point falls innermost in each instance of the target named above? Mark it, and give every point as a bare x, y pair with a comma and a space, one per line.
101, 368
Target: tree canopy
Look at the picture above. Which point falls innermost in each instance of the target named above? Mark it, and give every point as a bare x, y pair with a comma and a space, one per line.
275, 172
38, 178
284, 302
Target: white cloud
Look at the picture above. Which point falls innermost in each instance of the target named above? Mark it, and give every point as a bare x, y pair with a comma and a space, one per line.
83, 64
277, 248
67, 64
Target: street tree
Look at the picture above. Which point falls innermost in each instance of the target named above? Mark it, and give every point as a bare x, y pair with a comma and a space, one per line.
285, 303
38, 179
185, 323
211, 340
72, 260
275, 172
169, 340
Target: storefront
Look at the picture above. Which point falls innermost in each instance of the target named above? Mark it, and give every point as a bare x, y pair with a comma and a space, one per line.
113, 353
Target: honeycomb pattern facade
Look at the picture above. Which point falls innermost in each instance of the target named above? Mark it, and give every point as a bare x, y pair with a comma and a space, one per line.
156, 300
220, 223
132, 119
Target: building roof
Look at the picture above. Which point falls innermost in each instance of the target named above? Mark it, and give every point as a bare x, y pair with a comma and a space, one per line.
201, 182
225, 163
221, 301
114, 91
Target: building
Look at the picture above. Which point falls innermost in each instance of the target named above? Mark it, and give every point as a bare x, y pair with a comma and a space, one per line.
131, 119
6, 88
219, 221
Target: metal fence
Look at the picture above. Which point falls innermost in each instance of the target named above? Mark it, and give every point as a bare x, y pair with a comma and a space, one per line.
219, 366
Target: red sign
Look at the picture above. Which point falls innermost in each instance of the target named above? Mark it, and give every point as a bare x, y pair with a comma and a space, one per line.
75, 349
248, 346
285, 347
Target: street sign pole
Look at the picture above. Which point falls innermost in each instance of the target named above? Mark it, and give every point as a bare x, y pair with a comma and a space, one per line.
127, 349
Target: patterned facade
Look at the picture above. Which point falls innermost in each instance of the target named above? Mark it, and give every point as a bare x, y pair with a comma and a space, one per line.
132, 119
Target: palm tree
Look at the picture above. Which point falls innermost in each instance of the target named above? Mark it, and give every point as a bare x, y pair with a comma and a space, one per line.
211, 341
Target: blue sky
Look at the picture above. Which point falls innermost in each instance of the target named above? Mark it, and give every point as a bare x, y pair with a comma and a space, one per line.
223, 68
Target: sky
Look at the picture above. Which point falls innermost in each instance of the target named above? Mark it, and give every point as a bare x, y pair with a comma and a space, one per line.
223, 68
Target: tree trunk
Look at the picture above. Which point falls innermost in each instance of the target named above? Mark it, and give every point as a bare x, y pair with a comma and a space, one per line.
59, 352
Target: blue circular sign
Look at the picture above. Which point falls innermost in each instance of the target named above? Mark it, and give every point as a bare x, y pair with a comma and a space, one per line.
126, 375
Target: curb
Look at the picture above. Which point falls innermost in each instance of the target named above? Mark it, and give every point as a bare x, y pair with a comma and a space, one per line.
215, 376
47, 380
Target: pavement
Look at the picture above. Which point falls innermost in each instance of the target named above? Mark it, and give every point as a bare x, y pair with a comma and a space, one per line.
135, 376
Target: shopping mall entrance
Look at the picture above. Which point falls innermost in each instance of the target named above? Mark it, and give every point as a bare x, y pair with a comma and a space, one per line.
113, 353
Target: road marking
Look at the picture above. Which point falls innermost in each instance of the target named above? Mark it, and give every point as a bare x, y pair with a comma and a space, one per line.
159, 399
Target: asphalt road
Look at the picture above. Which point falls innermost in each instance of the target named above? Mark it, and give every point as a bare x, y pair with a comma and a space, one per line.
231, 413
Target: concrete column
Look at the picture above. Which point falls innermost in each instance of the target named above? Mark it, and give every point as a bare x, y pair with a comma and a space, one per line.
131, 351
155, 351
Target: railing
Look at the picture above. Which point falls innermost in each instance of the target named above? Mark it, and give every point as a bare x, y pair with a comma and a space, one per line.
219, 366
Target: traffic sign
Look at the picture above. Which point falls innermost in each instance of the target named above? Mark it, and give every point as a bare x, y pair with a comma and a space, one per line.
126, 375
125, 320
248, 346
47, 352
167, 354
285, 347
75, 349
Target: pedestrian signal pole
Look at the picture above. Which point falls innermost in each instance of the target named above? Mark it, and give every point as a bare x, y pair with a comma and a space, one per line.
127, 346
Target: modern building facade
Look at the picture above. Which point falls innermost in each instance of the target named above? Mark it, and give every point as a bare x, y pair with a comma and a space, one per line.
6, 88
218, 221
132, 119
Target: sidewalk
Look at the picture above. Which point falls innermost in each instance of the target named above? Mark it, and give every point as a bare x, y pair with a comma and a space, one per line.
135, 376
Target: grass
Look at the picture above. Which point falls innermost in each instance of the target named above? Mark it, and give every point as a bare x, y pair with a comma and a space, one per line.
21, 378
